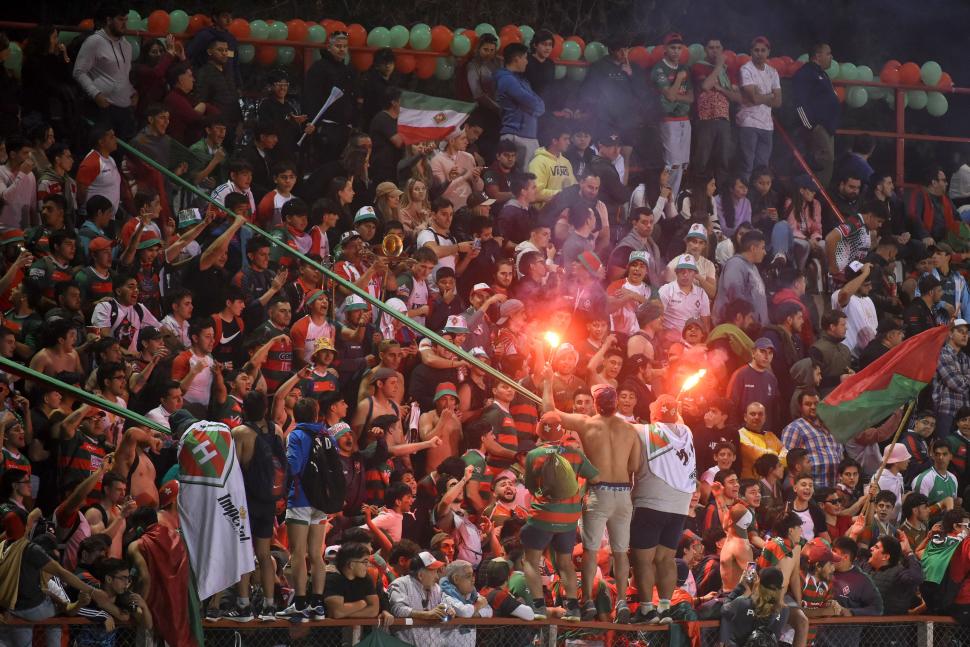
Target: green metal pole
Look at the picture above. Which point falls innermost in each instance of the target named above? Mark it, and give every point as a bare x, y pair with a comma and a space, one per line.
84, 396
347, 285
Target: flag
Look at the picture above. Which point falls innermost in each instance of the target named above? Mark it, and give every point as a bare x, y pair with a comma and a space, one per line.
871, 395
169, 597
424, 118
212, 507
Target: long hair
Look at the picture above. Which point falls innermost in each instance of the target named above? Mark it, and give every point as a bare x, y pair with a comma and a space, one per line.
38, 42
727, 200
765, 601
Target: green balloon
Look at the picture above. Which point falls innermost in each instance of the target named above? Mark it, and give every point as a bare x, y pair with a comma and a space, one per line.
135, 48
399, 36
317, 34
138, 25
285, 55
527, 34
246, 52
936, 104
278, 31
65, 37
378, 37
594, 51
891, 99
14, 59
259, 30
856, 97
570, 51
650, 49
576, 73
485, 28
560, 72
133, 16
178, 22
696, 52
460, 45
833, 70
803, 58
420, 38
876, 93
848, 72
315, 55
864, 73
930, 72
444, 68
916, 99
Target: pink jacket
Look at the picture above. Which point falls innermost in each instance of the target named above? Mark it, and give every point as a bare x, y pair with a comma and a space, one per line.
808, 224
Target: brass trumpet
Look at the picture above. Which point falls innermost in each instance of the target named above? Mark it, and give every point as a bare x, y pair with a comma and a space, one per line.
392, 247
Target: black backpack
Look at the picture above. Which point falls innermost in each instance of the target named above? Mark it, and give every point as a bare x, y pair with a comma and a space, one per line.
323, 479
267, 476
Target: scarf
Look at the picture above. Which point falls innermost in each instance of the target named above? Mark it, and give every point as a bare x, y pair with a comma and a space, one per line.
952, 225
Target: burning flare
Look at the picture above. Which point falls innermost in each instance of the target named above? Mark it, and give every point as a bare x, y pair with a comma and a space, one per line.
552, 338
692, 380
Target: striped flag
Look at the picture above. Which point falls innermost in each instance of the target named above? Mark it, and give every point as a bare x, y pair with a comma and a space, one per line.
424, 118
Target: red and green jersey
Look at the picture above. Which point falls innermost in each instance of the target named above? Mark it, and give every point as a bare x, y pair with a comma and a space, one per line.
476, 459
554, 515
376, 479
815, 595
775, 550
505, 431
17, 461
278, 366
525, 415
318, 385
230, 413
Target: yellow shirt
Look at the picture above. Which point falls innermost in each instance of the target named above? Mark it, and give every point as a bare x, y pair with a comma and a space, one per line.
754, 445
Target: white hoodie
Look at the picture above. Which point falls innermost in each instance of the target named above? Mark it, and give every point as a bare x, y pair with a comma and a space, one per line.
103, 66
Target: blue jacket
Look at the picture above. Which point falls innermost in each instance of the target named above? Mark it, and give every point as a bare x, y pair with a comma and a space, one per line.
521, 106
815, 100
298, 446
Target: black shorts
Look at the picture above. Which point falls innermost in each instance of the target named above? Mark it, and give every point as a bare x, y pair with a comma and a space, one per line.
538, 539
650, 528
262, 519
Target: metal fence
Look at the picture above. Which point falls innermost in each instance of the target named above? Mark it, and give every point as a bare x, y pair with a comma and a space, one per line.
895, 631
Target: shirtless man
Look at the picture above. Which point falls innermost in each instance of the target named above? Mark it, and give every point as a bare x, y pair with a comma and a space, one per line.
735, 518
109, 516
133, 464
444, 423
59, 354
613, 447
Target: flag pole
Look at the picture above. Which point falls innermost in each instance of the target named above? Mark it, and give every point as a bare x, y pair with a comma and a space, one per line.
885, 458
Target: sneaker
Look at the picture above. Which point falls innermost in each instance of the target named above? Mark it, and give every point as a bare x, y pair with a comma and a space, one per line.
651, 617
622, 613
665, 617
589, 611
572, 614
268, 614
293, 614
779, 262
213, 614
316, 613
239, 614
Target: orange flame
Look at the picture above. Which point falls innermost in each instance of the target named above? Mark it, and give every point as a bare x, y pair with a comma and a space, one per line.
692, 380
552, 338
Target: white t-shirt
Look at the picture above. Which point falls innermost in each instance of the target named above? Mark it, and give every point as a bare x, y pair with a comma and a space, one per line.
808, 524
766, 81
705, 268
624, 320
201, 386
860, 313
126, 324
426, 236
679, 307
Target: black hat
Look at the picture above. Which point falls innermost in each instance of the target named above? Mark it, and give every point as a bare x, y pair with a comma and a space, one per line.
772, 578
928, 282
180, 421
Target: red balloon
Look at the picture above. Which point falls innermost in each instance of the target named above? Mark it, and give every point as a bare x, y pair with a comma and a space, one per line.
508, 38
742, 59
473, 39
362, 61
684, 56
794, 66
840, 93
426, 66
238, 28
557, 42
441, 38
158, 22
945, 81
336, 25
656, 55
405, 63
265, 55
87, 24
199, 21
892, 63
639, 56
356, 35
909, 74
579, 41
730, 57
327, 23
889, 74
297, 29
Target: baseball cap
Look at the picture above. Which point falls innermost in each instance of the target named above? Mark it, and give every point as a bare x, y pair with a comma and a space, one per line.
382, 373
928, 282
482, 287
697, 230
148, 239
339, 430
686, 262
764, 343
11, 236
316, 295
330, 552
509, 308
424, 559
610, 139
478, 351
805, 181
349, 236
387, 188
354, 302
959, 322
445, 388
761, 39
456, 324
641, 256
168, 493
364, 214
100, 244
817, 551
673, 38
188, 218
479, 199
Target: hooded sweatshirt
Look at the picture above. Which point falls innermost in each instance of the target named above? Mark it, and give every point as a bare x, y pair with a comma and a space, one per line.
298, 446
103, 66
553, 174
521, 106
802, 378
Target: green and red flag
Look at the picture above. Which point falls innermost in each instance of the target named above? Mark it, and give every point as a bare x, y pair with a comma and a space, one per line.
425, 118
871, 395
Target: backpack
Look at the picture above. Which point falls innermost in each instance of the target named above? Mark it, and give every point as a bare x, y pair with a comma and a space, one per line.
557, 480
322, 479
267, 477
113, 315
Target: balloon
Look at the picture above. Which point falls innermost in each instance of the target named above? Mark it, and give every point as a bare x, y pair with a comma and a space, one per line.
560, 72
460, 45
931, 72
936, 104
133, 16
917, 99
440, 39
362, 61
88, 24
317, 34
570, 51
857, 97
239, 28
246, 53
420, 37
65, 37
199, 22
876, 93
909, 74
557, 43
405, 63
297, 29
945, 81
444, 68
889, 74
527, 34
485, 28
833, 70
656, 54
426, 67
696, 52
595, 50
579, 41
259, 30
279, 31
356, 35
15, 58
265, 55
471, 36
508, 37
378, 37
158, 22
864, 73
399, 35
840, 93
178, 22
576, 73
285, 55
639, 56
803, 58
336, 25
848, 72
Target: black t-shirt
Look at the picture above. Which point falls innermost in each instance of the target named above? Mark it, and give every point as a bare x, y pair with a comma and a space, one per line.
384, 154
705, 439
229, 346
206, 286
350, 590
29, 593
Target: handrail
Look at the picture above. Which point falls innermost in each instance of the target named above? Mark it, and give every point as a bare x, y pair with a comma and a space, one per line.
808, 169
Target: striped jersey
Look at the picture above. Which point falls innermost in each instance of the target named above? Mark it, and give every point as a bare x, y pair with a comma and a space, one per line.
505, 431
553, 515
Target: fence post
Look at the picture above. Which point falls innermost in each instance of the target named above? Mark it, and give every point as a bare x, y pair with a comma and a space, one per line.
355, 632
924, 634
552, 635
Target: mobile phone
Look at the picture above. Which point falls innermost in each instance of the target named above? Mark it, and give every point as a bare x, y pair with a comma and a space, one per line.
749, 572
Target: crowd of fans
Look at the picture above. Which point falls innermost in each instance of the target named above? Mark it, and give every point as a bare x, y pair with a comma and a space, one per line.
597, 245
